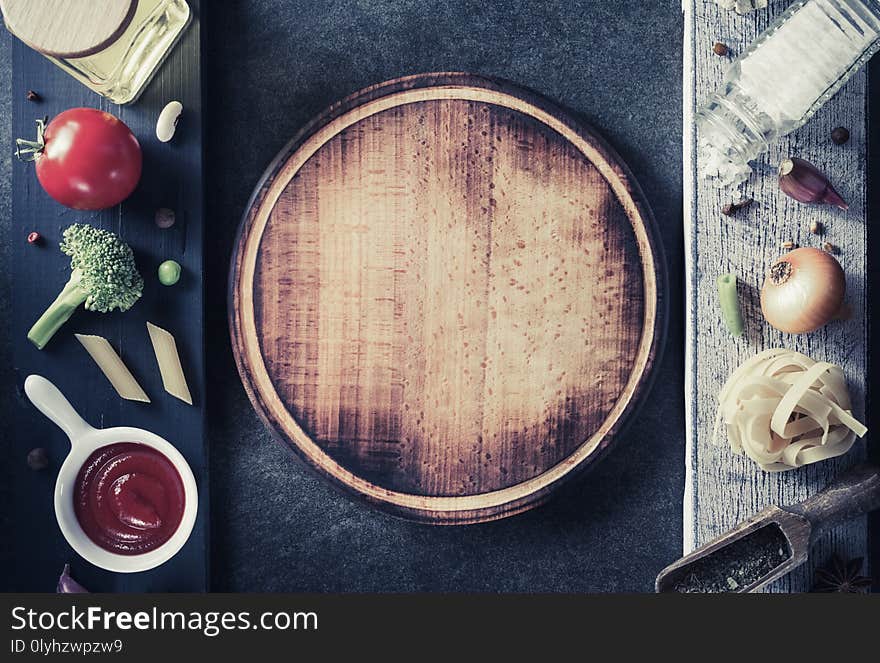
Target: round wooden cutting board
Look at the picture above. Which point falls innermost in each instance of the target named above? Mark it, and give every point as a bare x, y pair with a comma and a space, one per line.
446, 297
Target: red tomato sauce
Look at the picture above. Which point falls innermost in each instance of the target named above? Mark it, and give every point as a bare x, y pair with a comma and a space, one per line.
128, 498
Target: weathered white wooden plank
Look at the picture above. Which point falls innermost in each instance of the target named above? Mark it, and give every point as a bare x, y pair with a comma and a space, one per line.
723, 488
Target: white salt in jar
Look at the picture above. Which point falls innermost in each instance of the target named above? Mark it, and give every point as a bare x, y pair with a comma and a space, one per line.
782, 79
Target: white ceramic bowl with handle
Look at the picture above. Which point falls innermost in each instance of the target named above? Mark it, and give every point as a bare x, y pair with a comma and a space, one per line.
84, 439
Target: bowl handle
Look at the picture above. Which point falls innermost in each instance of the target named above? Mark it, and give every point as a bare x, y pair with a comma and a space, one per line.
49, 400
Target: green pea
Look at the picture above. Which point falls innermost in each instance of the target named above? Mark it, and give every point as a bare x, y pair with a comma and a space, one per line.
169, 272
730, 311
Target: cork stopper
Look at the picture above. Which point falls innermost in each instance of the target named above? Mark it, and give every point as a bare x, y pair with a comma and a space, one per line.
68, 28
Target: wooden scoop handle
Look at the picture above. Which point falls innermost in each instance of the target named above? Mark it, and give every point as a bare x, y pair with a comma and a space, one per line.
853, 493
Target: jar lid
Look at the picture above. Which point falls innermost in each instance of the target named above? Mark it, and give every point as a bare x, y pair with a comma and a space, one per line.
68, 28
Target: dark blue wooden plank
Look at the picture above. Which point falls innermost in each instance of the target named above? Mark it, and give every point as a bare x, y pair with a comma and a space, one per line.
172, 178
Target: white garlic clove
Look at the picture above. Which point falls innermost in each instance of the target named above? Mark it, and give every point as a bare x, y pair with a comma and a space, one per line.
167, 122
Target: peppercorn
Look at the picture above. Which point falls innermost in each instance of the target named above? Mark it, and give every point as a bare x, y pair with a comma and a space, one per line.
720, 49
34, 237
38, 459
816, 227
840, 135
33, 96
730, 209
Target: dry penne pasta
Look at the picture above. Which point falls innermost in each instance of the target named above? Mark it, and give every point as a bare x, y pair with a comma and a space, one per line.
113, 368
165, 348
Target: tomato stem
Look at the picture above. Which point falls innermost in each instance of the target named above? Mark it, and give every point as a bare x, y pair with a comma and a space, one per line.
29, 150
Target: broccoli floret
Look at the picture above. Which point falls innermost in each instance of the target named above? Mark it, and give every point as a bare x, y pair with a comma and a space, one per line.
103, 277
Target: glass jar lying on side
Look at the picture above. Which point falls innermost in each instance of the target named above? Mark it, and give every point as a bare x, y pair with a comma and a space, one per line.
782, 79
133, 39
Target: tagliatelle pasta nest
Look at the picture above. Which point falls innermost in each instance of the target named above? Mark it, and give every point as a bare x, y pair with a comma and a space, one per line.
784, 410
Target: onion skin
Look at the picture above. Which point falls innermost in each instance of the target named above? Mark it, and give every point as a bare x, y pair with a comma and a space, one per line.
803, 291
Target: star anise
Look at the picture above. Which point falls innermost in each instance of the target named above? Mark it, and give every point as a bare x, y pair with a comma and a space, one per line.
841, 576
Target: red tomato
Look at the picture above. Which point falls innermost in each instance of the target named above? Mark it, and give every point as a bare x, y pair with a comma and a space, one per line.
90, 161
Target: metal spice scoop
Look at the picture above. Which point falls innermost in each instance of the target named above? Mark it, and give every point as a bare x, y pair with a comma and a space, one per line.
775, 541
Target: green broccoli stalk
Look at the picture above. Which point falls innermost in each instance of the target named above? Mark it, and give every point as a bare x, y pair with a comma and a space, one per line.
103, 277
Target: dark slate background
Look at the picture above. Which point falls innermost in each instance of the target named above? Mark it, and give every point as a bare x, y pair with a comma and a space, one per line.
270, 66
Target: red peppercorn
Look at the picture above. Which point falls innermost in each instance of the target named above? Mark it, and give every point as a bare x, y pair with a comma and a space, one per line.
34, 237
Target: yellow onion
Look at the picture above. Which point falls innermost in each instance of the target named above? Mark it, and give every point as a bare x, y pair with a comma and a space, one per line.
803, 290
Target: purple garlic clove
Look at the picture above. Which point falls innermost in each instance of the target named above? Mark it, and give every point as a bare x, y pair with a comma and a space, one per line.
807, 184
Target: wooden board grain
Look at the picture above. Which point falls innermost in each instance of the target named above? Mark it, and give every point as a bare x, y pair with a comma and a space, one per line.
172, 177
445, 297
722, 488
